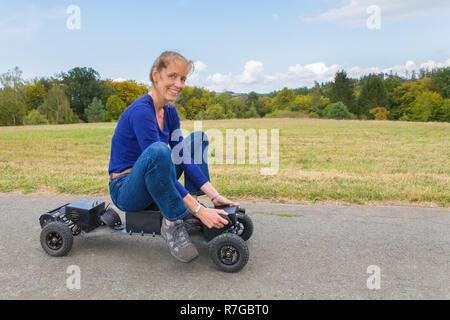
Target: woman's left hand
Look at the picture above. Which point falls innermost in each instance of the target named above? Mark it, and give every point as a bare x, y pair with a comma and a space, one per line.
222, 201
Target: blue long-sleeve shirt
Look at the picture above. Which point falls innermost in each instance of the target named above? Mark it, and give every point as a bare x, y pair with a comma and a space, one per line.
137, 129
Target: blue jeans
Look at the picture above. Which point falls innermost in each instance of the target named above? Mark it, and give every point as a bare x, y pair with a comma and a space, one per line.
152, 180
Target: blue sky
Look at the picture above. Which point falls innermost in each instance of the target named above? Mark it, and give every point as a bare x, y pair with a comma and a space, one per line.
236, 45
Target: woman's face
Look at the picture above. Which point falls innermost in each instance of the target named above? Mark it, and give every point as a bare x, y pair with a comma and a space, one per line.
170, 81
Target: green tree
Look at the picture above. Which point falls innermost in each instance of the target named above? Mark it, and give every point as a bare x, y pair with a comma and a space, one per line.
214, 111
184, 96
294, 108
390, 84
12, 98
440, 80
12, 107
444, 113
95, 112
323, 102
253, 99
428, 106
373, 95
197, 93
326, 89
221, 99
315, 99
127, 91
319, 102
82, 85
266, 105
193, 101
114, 108
35, 94
283, 99
343, 90
193, 107
304, 91
326, 111
304, 103
56, 107
252, 113
239, 108
404, 97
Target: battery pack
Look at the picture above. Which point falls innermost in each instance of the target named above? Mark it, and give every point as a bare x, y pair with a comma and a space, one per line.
86, 213
147, 221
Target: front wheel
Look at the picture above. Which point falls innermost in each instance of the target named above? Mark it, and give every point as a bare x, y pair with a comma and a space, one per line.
56, 239
229, 252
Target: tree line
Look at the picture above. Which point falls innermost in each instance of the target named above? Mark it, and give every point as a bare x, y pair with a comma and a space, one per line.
80, 95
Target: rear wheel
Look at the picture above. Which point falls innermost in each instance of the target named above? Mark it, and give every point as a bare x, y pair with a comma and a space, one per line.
56, 239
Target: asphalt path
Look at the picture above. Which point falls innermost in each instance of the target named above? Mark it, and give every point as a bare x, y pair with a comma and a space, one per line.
296, 252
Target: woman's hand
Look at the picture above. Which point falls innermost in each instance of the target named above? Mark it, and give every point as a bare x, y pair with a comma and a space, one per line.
222, 201
217, 199
211, 218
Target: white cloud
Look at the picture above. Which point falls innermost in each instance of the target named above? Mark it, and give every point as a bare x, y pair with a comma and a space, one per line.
253, 77
220, 82
252, 72
318, 69
199, 67
432, 65
353, 13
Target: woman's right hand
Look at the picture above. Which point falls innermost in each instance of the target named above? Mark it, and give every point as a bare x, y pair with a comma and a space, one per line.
211, 218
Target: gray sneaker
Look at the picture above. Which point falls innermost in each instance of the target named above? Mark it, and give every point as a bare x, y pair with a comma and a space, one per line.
178, 241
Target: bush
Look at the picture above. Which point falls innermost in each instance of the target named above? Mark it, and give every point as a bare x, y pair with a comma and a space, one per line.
326, 111
339, 111
404, 117
380, 113
294, 108
34, 118
251, 113
212, 112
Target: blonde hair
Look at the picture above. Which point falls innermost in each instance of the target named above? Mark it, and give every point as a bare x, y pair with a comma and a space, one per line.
164, 60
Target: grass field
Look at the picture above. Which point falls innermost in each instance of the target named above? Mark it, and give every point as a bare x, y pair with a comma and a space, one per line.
320, 161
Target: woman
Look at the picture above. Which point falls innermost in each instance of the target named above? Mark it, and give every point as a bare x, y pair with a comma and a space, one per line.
141, 168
